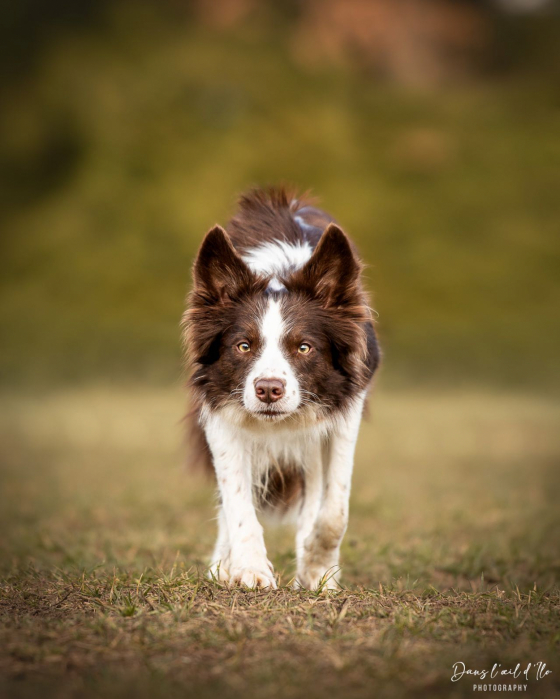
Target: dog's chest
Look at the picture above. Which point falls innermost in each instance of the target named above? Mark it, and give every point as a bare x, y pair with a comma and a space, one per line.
283, 451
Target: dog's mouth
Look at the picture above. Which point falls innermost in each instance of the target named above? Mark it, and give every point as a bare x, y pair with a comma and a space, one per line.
270, 414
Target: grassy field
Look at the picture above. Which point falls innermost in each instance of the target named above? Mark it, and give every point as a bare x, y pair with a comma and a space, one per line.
451, 555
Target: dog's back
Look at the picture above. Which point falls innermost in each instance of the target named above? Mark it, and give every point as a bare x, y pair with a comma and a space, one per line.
273, 216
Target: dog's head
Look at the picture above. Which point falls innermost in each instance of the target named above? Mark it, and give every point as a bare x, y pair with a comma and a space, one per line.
304, 346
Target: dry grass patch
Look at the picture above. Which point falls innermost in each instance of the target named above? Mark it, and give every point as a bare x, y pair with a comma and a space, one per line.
452, 554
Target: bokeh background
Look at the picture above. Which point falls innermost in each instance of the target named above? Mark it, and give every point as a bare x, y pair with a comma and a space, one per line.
431, 130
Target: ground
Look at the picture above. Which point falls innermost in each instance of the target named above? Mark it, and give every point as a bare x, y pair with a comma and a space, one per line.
451, 555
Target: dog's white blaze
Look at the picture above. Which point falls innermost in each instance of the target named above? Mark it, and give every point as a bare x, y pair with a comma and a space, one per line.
272, 363
277, 259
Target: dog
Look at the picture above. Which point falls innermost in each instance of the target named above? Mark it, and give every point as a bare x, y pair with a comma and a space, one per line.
281, 351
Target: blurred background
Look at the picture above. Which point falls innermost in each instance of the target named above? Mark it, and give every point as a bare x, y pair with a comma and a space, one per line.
430, 129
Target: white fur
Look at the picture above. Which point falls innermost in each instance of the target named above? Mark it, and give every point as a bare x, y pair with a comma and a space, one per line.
277, 259
272, 364
240, 554
319, 550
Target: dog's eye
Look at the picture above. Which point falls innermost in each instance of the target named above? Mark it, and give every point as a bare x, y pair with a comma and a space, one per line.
244, 347
304, 348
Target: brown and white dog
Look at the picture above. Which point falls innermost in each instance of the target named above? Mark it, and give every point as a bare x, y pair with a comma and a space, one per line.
281, 349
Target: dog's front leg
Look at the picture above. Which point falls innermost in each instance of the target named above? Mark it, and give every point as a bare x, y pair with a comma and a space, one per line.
247, 563
313, 496
319, 565
220, 563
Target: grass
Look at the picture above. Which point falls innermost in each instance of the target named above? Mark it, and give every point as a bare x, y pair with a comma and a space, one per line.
451, 555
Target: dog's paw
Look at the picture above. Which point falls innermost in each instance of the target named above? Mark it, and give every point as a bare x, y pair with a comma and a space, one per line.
317, 580
253, 576
219, 571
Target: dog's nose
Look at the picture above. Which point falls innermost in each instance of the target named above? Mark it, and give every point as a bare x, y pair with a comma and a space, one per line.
269, 390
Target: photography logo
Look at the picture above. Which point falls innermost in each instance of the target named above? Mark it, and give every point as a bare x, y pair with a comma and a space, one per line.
501, 679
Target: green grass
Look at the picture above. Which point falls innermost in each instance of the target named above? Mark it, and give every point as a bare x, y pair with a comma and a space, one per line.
451, 555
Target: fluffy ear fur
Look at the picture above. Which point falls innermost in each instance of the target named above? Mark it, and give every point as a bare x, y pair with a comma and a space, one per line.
332, 272
219, 272
332, 276
220, 277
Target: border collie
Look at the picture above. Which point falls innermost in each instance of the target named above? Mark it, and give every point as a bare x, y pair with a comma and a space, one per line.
281, 350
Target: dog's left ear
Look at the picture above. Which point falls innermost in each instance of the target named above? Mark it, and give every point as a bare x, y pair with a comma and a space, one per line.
219, 272
332, 271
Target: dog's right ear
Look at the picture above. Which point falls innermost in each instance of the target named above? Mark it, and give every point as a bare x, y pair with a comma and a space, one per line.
219, 272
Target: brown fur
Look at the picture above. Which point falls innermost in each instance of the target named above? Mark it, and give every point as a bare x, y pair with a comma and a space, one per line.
268, 214
283, 490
